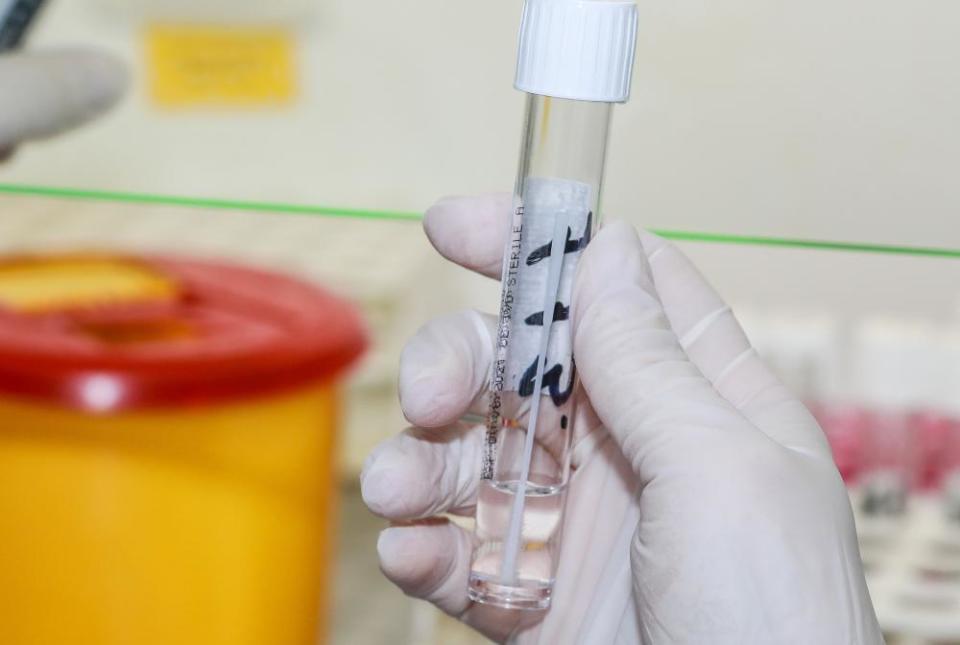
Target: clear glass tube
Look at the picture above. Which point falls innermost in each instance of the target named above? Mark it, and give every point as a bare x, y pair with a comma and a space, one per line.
530, 422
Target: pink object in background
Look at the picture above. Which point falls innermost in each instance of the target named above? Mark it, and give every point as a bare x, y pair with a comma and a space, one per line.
929, 451
846, 429
921, 447
950, 458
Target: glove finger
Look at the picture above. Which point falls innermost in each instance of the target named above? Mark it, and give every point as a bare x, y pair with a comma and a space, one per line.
434, 467
641, 383
49, 92
445, 369
431, 561
713, 339
445, 375
424, 472
471, 231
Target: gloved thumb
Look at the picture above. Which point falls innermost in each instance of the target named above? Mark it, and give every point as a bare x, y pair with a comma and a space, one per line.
45, 93
651, 397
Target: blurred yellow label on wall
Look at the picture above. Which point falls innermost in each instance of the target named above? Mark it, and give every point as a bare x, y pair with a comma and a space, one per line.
198, 65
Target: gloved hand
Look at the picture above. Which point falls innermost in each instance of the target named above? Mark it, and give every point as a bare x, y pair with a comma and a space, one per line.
703, 507
43, 94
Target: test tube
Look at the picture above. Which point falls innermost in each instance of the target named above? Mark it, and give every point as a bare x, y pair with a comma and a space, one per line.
575, 61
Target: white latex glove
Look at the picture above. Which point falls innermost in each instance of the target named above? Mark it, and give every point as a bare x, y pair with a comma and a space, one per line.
45, 93
704, 506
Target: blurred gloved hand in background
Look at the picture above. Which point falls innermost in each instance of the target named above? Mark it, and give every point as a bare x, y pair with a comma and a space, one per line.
45, 93
703, 507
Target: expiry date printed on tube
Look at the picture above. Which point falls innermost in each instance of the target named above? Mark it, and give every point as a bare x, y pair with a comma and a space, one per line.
545, 200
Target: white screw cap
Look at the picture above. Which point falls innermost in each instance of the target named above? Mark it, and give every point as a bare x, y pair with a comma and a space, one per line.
577, 49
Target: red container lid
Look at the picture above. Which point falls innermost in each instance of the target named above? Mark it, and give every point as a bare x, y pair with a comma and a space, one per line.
105, 333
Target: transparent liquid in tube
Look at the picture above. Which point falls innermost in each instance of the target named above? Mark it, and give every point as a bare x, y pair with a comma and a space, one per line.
541, 528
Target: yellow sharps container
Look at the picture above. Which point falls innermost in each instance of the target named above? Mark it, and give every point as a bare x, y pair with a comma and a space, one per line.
167, 438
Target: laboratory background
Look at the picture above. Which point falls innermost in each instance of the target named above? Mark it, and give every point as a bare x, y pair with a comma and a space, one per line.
263, 177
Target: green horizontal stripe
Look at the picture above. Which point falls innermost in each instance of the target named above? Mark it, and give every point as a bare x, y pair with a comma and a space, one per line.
372, 214
203, 202
755, 240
